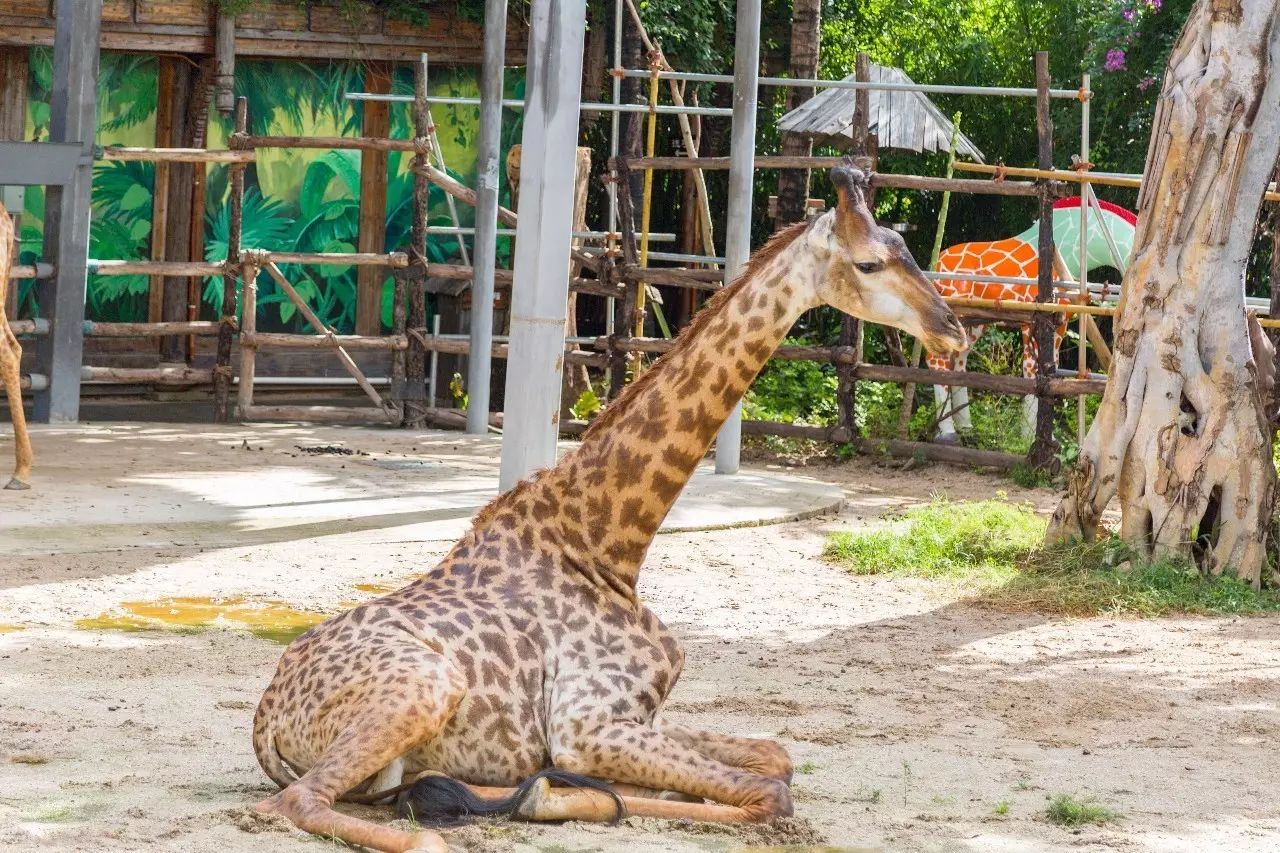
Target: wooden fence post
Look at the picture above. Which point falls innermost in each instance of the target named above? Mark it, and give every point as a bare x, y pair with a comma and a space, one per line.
226, 332
1043, 453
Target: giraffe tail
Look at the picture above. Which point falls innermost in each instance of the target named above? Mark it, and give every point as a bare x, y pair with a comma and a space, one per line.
264, 747
439, 799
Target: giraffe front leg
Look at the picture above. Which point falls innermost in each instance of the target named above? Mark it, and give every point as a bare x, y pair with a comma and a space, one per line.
1030, 405
638, 754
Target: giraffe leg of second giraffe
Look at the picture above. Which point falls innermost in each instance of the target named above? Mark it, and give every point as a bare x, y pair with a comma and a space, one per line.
10, 367
1030, 410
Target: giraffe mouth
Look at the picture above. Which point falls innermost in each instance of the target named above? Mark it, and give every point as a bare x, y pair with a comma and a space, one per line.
948, 335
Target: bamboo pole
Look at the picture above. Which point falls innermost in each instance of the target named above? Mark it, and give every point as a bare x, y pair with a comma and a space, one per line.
328, 143
94, 329
415, 356
174, 155
194, 269
248, 352
183, 375
340, 259
226, 333
1069, 176
258, 340
327, 333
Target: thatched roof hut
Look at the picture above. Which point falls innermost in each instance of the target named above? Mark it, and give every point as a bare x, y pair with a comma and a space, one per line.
902, 120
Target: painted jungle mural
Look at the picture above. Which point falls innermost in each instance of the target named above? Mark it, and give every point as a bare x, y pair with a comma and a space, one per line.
295, 200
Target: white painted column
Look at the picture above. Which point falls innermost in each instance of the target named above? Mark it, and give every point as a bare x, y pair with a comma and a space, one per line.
540, 291
742, 154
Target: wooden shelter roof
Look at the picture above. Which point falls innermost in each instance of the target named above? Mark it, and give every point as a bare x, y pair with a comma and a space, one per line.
903, 120
273, 28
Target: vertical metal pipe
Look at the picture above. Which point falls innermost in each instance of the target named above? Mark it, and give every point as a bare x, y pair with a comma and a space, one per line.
614, 117
480, 359
540, 291
742, 151
1082, 345
72, 118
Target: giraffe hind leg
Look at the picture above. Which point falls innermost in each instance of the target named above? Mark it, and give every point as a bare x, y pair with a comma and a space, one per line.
379, 726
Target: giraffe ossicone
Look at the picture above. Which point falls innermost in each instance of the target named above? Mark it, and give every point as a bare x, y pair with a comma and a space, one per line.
527, 647
1018, 257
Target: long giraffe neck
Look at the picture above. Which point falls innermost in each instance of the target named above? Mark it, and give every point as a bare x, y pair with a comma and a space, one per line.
605, 500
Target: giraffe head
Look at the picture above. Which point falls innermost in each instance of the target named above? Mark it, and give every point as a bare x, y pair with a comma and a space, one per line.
871, 275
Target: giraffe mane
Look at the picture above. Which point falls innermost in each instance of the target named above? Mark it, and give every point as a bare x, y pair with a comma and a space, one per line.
615, 410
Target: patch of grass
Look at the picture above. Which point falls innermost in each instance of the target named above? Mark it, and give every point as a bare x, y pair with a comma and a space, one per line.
30, 758
1106, 577
1027, 477
53, 813
979, 541
867, 795
991, 551
1002, 808
806, 768
1072, 810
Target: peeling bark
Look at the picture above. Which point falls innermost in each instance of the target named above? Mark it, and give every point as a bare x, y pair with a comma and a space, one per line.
1182, 437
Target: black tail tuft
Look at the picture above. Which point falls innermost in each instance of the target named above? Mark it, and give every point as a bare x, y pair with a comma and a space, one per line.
440, 800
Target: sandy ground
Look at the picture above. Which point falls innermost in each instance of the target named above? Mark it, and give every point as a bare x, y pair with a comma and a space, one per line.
910, 717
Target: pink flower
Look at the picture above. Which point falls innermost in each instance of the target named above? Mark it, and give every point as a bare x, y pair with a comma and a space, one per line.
1128, 13
1154, 5
1146, 83
1115, 59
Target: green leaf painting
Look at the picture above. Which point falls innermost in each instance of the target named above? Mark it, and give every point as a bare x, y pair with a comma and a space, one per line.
295, 200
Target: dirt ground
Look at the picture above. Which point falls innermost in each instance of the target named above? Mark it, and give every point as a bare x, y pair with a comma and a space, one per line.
911, 718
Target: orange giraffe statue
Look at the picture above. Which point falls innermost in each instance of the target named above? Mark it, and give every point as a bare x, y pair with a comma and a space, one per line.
11, 360
1016, 257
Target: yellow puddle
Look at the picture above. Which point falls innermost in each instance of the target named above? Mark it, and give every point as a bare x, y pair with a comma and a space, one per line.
376, 588
270, 620
9, 629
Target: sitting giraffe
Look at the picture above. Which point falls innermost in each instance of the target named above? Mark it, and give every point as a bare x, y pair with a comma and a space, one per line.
11, 360
1017, 257
528, 648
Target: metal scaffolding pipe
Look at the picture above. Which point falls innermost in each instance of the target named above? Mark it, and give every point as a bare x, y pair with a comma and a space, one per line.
488, 147
508, 103
932, 88
742, 153
541, 291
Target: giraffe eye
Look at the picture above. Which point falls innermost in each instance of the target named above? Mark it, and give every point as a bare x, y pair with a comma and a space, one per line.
870, 266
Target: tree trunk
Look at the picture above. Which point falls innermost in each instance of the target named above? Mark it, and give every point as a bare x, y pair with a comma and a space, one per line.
1182, 436
793, 184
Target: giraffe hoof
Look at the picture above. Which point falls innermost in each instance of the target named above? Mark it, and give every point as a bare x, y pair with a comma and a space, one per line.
947, 438
18, 485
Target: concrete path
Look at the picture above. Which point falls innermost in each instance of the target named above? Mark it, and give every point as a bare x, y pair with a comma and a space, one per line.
117, 486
